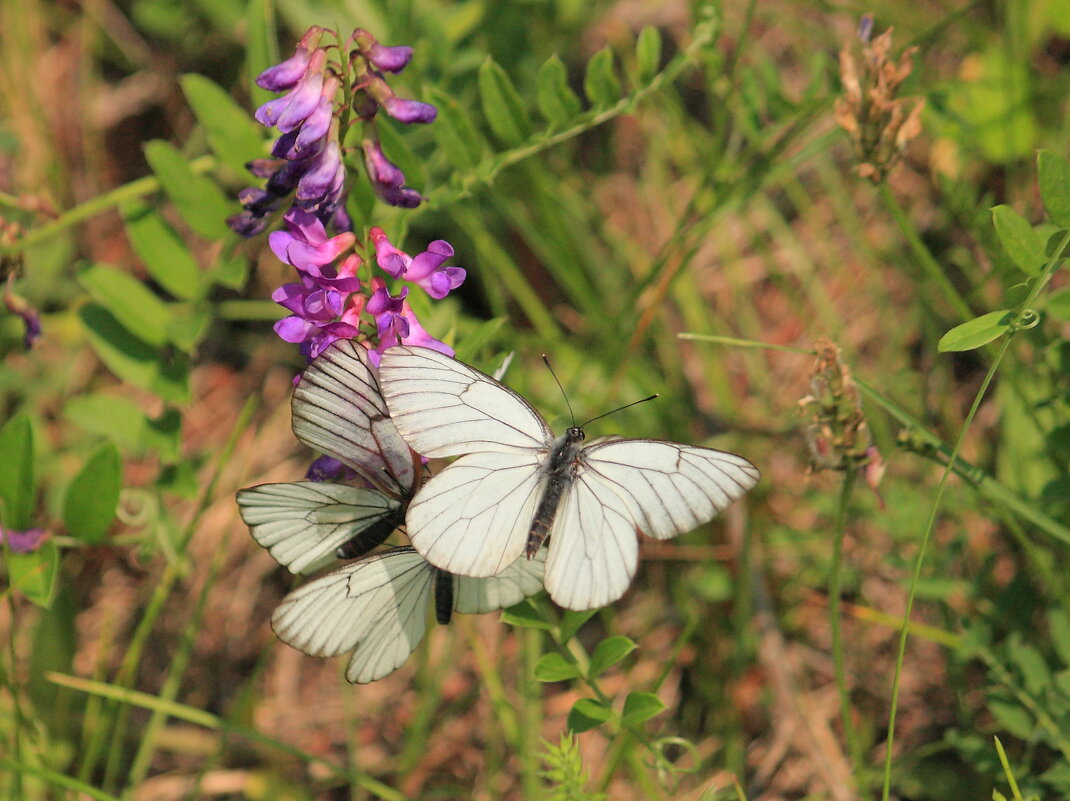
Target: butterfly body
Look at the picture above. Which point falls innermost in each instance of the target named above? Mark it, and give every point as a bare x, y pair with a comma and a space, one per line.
563, 463
515, 483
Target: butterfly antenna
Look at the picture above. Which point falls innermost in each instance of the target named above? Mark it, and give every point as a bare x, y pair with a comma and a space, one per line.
620, 409
564, 395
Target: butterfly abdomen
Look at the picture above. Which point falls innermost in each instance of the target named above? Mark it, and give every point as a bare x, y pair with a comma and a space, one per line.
443, 596
372, 536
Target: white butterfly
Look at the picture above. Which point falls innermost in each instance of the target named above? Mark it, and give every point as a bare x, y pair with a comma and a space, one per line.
338, 410
517, 484
378, 605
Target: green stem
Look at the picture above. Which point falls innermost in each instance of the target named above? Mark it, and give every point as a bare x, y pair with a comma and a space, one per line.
835, 590
915, 579
98, 204
929, 265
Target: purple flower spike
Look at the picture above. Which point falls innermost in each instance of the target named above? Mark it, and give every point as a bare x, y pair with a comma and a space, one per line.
409, 111
390, 59
305, 244
23, 541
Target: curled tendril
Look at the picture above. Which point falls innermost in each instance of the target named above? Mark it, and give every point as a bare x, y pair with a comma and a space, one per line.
669, 770
136, 507
1027, 319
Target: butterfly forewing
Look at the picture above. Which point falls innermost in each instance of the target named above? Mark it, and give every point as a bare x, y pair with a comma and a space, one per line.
338, 410
445, 408
303, 523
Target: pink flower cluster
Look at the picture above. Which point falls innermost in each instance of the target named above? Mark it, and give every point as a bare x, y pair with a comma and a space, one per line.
328, 301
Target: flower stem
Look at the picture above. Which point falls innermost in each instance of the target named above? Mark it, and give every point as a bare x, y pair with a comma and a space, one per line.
854, 746
929, 265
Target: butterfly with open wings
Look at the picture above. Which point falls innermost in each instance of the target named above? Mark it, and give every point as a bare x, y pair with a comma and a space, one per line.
516, 484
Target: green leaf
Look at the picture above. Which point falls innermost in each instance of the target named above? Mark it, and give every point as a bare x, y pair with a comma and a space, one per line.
502, 106
233, 134
131, 303
454, 132
91, 499
164, 435
201, 203
1022, 243
587, 714
17, 483
261, 48
131, 359
189, 327
1058, 304
1059, 631
648, 53
34, 574
180, 479
639, 708
571, 622
1011, 716
230, 271
600, 83
526, 616
554, 667
1053, 172
1030, 663
609, 652
165, 255
977, 332
558, 104
108, 415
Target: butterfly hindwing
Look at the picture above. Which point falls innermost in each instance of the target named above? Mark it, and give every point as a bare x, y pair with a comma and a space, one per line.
377, 605
378, 608
668, 488
472, 518
302, 523
593, 550
522, 579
